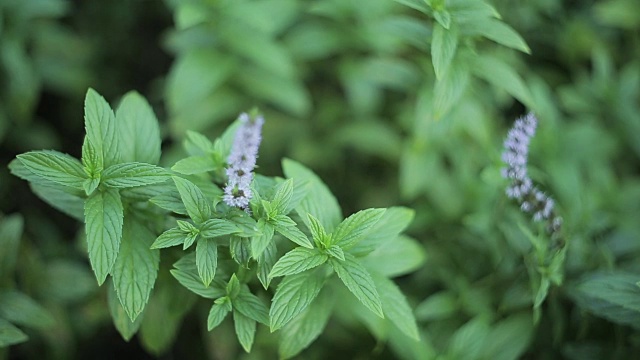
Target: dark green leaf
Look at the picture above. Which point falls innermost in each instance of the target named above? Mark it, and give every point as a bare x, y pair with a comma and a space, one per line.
10, 335
358, 280
467, 342
22, 310
298, 260
510, 338
10, 233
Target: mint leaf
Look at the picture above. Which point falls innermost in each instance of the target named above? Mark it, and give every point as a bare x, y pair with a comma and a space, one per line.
336, 252
10, 233
293, 295
217, 227
133, 174
251, 306
289, 229
186, 272
195, 202
138, 130
317, 231
358, 280
297, 261
136, 267
496, 30
206, 260
10, 335
54, 166
245, 330
443, 48
170, 201
92, 161
265, 263
400, 256
387, 229
194, 165
121, 320
172, 237
103, 214
100, 124
355, 228
395, 306
22, 310
240, 248
59, 198
260, 242
218, 312
282, 197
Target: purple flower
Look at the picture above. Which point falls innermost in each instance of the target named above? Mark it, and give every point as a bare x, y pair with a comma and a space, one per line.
242, 161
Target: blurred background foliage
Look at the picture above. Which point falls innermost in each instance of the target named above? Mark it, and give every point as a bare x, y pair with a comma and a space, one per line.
391, 103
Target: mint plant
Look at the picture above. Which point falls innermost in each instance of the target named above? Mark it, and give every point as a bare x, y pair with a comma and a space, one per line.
249, 231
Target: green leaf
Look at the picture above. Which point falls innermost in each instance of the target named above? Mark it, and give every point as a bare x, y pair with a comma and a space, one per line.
510, 338
336, 251
92, 160
240, 248
282, 197
289, 229
251, 306
170, 201
438, 306
245, 330
298, 260
195, 202
218, 312
395, 306
387, 229
121, 320
306, 327
265, 263
499, 32
355, 228
10, 335
468, 340
206, 259
260, 242
136, 267
419, 5
501, 75
133, 174
358, 280
22, 310
613, 296
103, 225
100, 125
90, 185
319, 201
195, 165
293, 295
443, 48
317, 231
217, 227
443, 18
54, 166
400, 256
172, 237
186, 272
139, 133
58, 198
10, 233
449, 89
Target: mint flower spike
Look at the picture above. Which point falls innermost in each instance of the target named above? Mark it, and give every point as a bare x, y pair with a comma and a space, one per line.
521, 188
242, 161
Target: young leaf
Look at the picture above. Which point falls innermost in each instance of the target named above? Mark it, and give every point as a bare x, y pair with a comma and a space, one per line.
54, 166
195, 202
121, 320
443, 48
218, 312
10, 335
194, 165
317, 230
133, 174
206, 260
387, 229
358, 280
100, 124
293, 295
306, 327
298, 260
336, 252
138, 130
245, 330
395, 306
356, 227
251, 306
136, 267
172, 237
103, 225
282, 197
22, 310
217, 227
265, 263
288, 228
260, 242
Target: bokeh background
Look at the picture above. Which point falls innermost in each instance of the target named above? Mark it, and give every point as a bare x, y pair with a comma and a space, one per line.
348, 88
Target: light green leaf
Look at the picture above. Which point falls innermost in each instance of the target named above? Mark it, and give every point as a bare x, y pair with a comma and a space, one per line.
306, 327
502, 75
443, 48
251, 306
218, 312
298, 260
54, 166
90, 185
103, 225
92, 160
387, 229
265, 263
293, 295
22, 310
319, 201
282, 197
288, 228
443, 18
206, 259
171, 237
170, 201
138, 130
395, 306
438, 306
468, 340
217, 227
136, 267
194, 165
400, 256
133, 174
245, 330
10, 233
450, 88
100, 124
499, 32
336, 251
10, 335
260, 242
419, 5
358, 280
194, 200
355, 228
317, 231
196, 143
121, 320
186, 272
